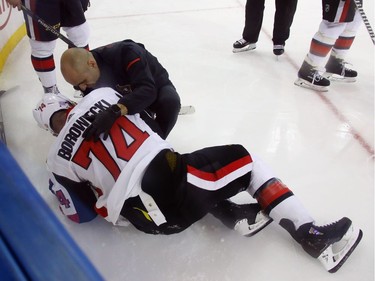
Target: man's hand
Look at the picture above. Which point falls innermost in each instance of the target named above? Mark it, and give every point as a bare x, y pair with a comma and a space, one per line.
102, 123
15, 3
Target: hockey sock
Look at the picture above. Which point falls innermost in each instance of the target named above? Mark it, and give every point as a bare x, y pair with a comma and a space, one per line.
45, 69
279, 202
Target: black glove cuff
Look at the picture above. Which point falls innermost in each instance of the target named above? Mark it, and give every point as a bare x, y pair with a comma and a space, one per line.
116, 110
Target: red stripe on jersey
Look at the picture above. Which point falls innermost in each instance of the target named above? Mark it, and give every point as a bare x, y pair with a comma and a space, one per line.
43, 64
224, 171
132, 62
102, 211
271, 193
344, 43
319, 49
345, 11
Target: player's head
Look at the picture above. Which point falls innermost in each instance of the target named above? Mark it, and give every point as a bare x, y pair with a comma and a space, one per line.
49, 105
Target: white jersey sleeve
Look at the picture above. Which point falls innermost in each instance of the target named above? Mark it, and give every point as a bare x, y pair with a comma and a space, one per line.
114, 167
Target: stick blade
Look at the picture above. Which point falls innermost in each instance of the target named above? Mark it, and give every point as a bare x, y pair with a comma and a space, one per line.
187, 109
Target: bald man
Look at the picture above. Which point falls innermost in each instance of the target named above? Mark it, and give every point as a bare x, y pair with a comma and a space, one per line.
135, 73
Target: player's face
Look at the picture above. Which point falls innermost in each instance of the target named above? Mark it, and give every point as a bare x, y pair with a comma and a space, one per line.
83, 76
88, 78
57, 121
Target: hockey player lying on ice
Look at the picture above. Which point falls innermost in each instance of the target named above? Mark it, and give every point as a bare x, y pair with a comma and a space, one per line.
130, 174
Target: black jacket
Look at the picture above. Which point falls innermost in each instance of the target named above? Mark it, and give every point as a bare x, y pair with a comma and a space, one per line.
127, 66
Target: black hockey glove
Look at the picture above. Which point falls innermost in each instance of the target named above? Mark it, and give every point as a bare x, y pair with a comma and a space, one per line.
102, 123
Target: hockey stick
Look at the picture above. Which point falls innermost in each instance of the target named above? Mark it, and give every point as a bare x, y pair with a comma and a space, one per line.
365, 20
2, 131
47, 26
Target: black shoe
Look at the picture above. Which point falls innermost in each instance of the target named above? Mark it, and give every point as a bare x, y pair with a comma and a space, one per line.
309, 77
246, 219
278, 50
336, 69
242, 45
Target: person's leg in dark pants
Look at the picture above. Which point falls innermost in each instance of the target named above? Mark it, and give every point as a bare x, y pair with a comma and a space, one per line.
285, 10
166, 107
253, 20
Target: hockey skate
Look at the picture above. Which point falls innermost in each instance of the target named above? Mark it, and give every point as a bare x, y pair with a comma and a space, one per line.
278, 50
52, 90
246, 219
242, 45
337, 70
331, 244
310, 78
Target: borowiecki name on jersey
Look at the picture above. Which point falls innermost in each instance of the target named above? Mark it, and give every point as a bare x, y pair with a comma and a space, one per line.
77, 129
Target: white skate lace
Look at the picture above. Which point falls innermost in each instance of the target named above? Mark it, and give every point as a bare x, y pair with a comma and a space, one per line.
316, 77
242, 41
345, 67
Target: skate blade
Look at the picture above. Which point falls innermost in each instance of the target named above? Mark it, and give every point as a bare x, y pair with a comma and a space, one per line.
302, 83
337, 254
248, 230
339, 78
244, 49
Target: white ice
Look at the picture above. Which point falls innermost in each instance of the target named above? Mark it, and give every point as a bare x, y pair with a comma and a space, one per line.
320, 144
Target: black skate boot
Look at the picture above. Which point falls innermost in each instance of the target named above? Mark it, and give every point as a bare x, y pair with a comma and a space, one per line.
246, 219
331, 244
310, 78
278, 50
337, 70
242, 45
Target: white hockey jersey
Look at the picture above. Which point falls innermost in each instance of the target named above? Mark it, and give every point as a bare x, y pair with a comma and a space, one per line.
114, 166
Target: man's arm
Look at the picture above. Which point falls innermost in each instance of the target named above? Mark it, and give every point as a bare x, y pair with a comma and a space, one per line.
137, 69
